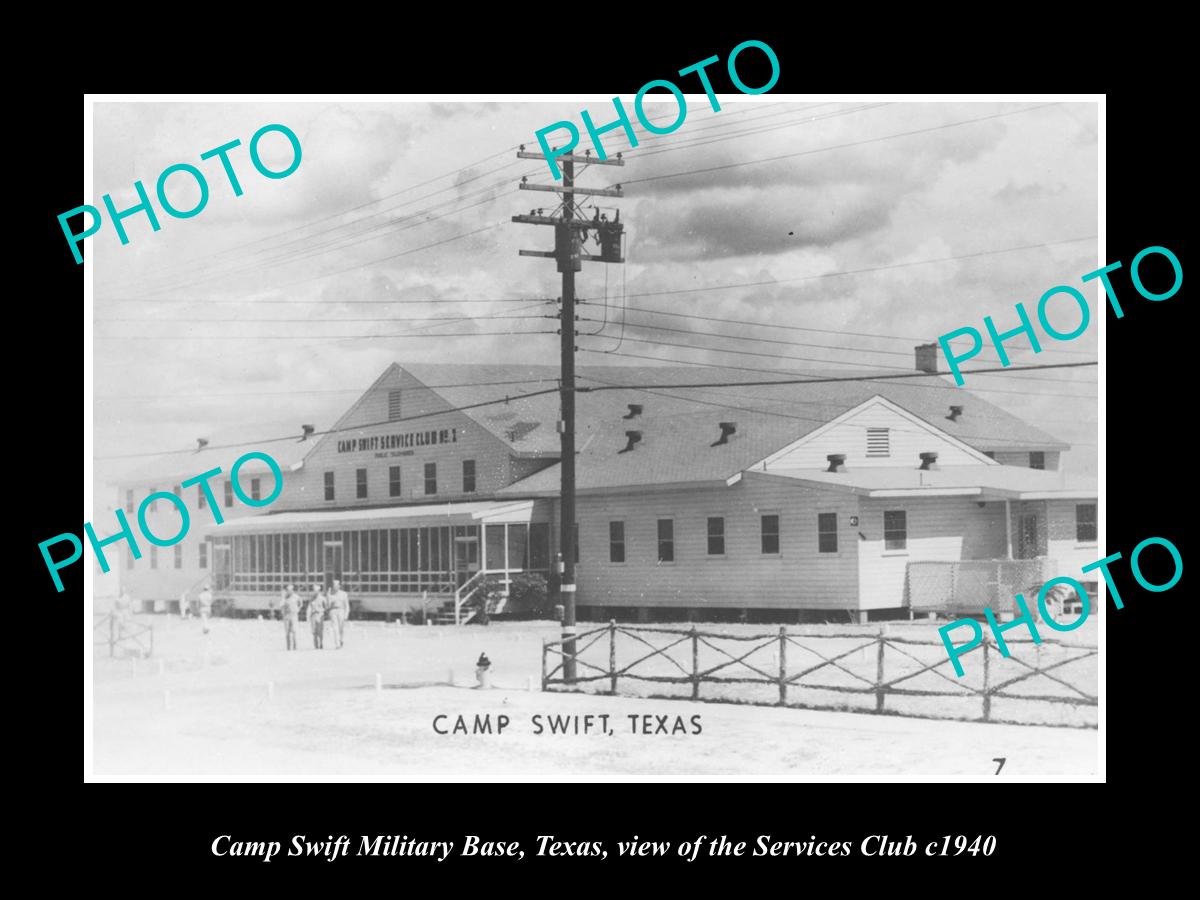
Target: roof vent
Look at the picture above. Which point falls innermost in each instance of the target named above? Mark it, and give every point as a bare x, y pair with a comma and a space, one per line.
308, 430
201, 443
928, 461
634, 437
837, 462
727, 429
955, 412
635, 410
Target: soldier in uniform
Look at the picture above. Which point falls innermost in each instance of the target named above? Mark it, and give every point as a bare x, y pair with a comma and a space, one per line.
206, 601
291, 615
316, 616
339, 611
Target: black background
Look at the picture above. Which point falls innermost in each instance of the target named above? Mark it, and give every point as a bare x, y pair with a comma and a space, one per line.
159, 835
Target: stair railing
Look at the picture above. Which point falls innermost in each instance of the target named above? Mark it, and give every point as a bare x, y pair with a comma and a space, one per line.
465, 592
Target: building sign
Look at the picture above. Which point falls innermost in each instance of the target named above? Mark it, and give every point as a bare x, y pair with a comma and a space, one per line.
394, 441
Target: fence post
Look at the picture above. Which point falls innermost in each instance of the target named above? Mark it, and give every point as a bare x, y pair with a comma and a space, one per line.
879, 692
544, 652
987, 696
695, 665
782, 665
612, 654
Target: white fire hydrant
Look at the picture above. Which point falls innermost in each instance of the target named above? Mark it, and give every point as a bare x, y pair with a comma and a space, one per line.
482, 676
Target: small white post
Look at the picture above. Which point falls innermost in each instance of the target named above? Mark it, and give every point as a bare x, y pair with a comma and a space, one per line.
378, 681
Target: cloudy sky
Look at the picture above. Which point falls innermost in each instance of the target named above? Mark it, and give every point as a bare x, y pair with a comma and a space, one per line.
291, 299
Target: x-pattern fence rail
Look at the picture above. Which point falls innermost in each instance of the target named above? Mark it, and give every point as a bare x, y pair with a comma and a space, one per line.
117, 633
995, 673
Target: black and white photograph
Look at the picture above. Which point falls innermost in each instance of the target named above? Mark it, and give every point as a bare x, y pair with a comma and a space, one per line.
668, 437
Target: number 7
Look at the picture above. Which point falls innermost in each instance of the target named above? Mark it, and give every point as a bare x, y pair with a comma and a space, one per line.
1001, 760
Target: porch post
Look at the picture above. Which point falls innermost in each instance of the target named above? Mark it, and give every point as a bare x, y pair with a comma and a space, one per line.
1008, 529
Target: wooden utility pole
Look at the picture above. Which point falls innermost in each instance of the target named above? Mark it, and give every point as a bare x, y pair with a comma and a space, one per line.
570, 231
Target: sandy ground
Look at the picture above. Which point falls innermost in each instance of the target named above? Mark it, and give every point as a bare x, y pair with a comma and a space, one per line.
236, 703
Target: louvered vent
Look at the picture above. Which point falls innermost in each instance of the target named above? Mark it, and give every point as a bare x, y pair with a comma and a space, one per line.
393, 406
878, 443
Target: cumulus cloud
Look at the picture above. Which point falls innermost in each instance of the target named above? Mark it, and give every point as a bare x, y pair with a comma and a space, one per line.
835, 233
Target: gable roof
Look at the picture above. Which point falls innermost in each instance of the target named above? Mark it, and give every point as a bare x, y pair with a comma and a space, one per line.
678, 425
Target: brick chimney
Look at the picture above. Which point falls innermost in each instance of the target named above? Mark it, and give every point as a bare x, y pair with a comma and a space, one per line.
927, 358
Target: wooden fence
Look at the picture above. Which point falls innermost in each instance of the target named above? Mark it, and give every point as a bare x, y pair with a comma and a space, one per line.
996, 674
131, 638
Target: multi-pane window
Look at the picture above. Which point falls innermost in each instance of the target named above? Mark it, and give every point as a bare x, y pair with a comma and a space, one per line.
177, 491
179, 556
360, 483
468, 476
129, 501
393, 481
616, 542
228, 493
153, 556
329, 495
1037, 459
202, 549
255, 489
716, 536
827, 532
128, 559
895, 529
201, 499
430, 478
393, 405
666, 540
770, 533
153, 503
878, 443
1085, 523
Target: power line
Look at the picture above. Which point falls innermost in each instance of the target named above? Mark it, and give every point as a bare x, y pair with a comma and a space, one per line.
420, 330
336, 321
725, 123
292, 393
766, 412
449, 300
844, 378
863, 271
242, 247
304, 337
764, 340
874, 140
777, 325
292, 437
604, 387
351, 239
762, 371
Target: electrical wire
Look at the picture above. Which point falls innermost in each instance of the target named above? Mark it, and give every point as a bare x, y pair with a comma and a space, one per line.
603, 387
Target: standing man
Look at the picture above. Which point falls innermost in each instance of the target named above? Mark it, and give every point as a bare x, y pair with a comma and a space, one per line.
291, 615
206, 600
316, 616
339, 611
184, 605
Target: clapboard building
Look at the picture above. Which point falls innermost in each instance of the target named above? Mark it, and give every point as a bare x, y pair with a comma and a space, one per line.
819, 499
